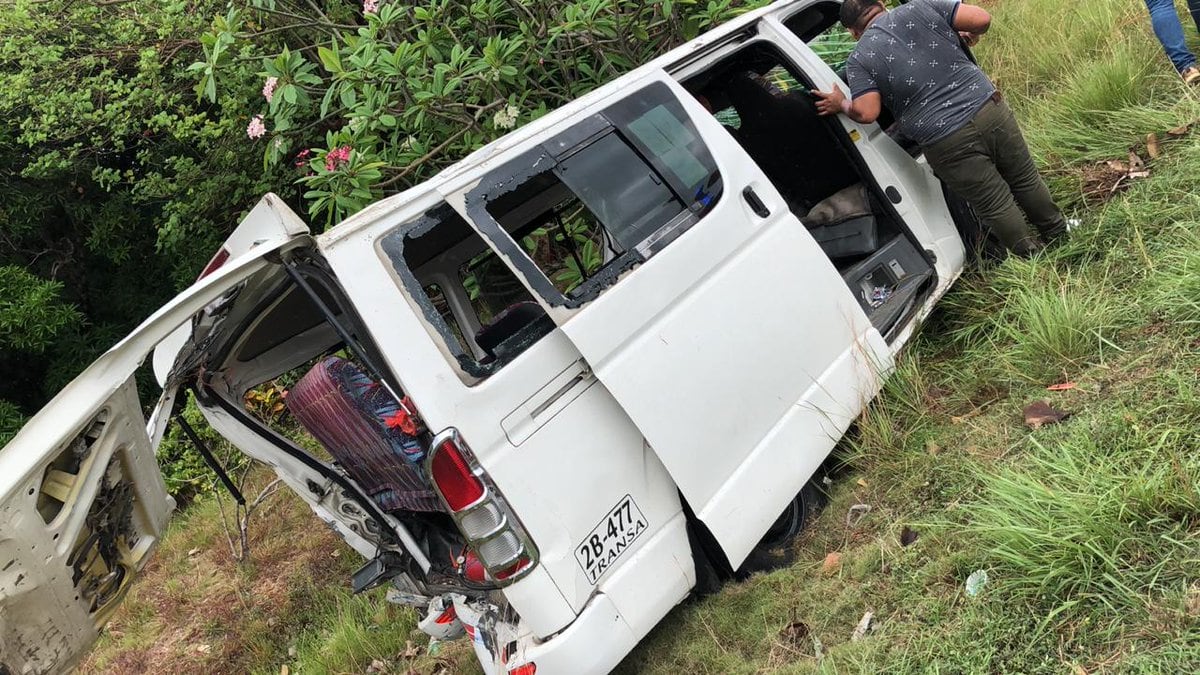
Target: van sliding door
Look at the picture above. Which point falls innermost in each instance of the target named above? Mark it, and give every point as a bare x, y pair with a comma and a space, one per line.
697, 298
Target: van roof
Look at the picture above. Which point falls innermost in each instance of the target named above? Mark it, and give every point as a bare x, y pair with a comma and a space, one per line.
379, 208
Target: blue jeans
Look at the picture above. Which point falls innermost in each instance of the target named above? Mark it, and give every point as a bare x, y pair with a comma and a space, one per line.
1170, 32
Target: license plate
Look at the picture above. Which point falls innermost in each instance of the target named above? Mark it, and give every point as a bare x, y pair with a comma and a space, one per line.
613, 536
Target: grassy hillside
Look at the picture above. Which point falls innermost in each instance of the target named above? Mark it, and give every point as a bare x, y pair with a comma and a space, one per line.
1088, 530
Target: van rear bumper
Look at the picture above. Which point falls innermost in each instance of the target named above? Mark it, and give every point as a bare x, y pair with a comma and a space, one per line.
617, 615
595, 643
639, 594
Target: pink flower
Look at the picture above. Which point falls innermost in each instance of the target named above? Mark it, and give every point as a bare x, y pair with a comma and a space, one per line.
302, 158
256, 128
269, 88
370, 6
337, 157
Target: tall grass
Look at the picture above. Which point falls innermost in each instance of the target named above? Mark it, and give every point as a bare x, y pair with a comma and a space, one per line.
1056, 326
355, 631
1075, 524
1176, 290
1029, 321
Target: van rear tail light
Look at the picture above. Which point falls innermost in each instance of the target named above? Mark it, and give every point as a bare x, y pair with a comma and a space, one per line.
514, 569
453, 476
483, 516
500, 550
215, 263
524, 669
480, 522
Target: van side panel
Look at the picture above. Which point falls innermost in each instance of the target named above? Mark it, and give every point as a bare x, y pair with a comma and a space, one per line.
562, 461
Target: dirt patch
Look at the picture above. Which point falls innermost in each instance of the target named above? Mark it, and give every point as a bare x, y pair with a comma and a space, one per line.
1103, 180
199, 611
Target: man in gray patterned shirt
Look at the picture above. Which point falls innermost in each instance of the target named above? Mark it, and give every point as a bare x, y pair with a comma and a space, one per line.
910, 60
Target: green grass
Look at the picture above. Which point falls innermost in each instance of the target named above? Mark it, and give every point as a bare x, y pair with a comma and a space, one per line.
196, 610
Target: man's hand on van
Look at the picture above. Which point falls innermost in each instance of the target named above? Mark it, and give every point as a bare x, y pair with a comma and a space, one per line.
829, 102
864, 109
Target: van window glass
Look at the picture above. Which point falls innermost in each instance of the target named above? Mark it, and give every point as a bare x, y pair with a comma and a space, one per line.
833, 46
608, 194
819, 27
506, 320
670, 141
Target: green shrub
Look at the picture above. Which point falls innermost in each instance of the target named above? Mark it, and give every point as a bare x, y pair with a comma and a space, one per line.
401, 90
182, 466
11, 420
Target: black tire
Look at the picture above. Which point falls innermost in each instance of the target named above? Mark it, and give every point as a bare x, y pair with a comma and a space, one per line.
793, 519
712, 567
982, 245
773, 550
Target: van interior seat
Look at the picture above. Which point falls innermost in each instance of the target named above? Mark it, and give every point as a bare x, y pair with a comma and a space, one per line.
344, 409
844, 223
507, 324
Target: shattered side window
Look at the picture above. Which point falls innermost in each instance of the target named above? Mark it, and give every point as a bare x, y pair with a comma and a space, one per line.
438, 298
601, 197
502, 318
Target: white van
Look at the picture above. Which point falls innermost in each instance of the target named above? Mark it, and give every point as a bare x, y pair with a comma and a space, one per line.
618, 342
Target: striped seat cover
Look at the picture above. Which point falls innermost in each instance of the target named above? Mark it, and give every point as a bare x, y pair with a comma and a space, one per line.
345, 410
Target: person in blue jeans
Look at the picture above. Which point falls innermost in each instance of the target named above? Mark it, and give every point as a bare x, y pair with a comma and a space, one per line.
1170, 33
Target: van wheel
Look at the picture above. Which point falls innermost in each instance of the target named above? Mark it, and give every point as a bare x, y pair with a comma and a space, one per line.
772, 551
793, 519
981, 244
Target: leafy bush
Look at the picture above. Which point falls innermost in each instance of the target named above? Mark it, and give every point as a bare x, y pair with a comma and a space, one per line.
400, 90
31, 312
182, 466
11, 420
118, 184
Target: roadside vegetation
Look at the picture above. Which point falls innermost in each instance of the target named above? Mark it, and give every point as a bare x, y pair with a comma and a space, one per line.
1087, 528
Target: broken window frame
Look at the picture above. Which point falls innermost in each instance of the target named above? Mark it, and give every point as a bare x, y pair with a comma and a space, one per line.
392, 245
697, 199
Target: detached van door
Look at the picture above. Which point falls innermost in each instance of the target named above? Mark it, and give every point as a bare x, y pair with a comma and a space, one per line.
712, 316
82, 502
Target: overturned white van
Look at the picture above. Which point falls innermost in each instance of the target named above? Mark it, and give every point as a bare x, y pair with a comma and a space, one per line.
613, 346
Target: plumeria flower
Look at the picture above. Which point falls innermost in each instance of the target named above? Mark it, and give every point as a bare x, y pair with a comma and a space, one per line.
269, 88
506, 118
337, 157
370, 6
256, 128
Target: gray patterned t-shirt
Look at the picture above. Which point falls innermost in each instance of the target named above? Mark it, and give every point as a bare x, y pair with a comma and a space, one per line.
912, 57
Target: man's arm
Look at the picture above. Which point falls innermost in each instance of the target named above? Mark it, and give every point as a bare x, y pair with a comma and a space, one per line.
863, 109
972, 19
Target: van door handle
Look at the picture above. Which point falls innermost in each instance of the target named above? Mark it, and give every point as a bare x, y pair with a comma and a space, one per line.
756, 205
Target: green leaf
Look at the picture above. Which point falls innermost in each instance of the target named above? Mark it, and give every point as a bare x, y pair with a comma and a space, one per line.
210, 87
330, 59
326, 100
